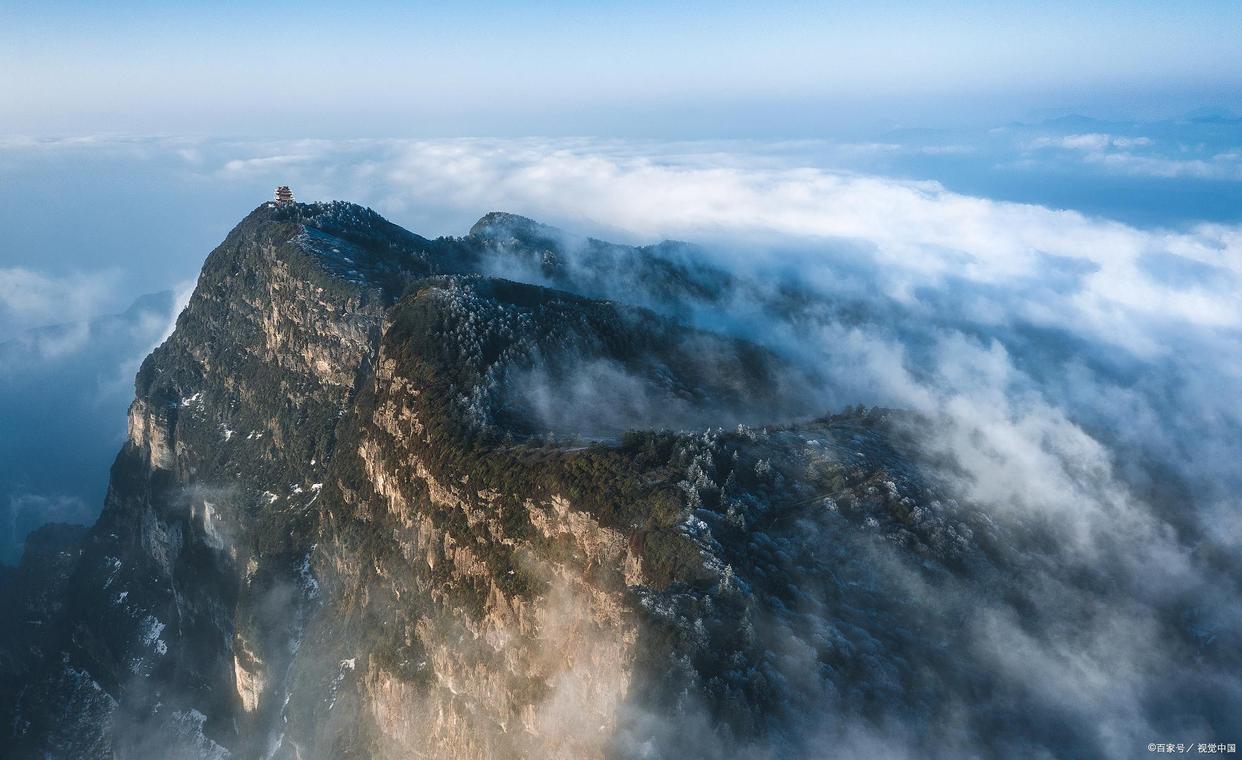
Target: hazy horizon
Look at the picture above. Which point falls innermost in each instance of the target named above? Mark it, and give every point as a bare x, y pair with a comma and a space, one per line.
494, 69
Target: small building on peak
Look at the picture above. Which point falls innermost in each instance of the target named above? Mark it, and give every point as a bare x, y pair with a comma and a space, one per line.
283, 195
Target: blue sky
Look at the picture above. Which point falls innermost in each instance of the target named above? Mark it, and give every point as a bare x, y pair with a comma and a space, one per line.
618, 69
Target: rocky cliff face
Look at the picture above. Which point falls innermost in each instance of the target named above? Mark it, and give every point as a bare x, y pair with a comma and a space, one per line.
368, 508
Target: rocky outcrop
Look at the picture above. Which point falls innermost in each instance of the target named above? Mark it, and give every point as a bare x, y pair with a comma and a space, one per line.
357, 516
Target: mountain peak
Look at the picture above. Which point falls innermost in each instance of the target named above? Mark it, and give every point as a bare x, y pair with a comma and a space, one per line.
387, 492
500, 226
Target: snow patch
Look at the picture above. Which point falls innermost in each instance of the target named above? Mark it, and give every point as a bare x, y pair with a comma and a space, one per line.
309, 583
116, 566
151, 634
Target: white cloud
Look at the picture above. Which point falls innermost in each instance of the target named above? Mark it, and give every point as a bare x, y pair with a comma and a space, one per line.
29, 298
1222, 166
265, 163
920, 233
1124, 156
1092, 141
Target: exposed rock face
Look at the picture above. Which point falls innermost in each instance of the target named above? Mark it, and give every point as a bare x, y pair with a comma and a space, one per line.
345, 525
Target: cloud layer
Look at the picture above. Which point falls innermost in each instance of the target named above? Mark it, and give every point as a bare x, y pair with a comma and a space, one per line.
1070, 371
29, 298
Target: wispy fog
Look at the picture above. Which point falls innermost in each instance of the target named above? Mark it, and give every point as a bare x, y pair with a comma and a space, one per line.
64, 389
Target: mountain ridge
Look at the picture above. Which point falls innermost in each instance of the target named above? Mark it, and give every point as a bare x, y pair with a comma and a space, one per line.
377, 501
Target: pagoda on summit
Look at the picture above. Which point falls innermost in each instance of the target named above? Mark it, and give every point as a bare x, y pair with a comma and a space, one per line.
283, 195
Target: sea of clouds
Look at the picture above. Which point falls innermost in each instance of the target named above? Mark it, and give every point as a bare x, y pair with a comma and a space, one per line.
1076, 365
